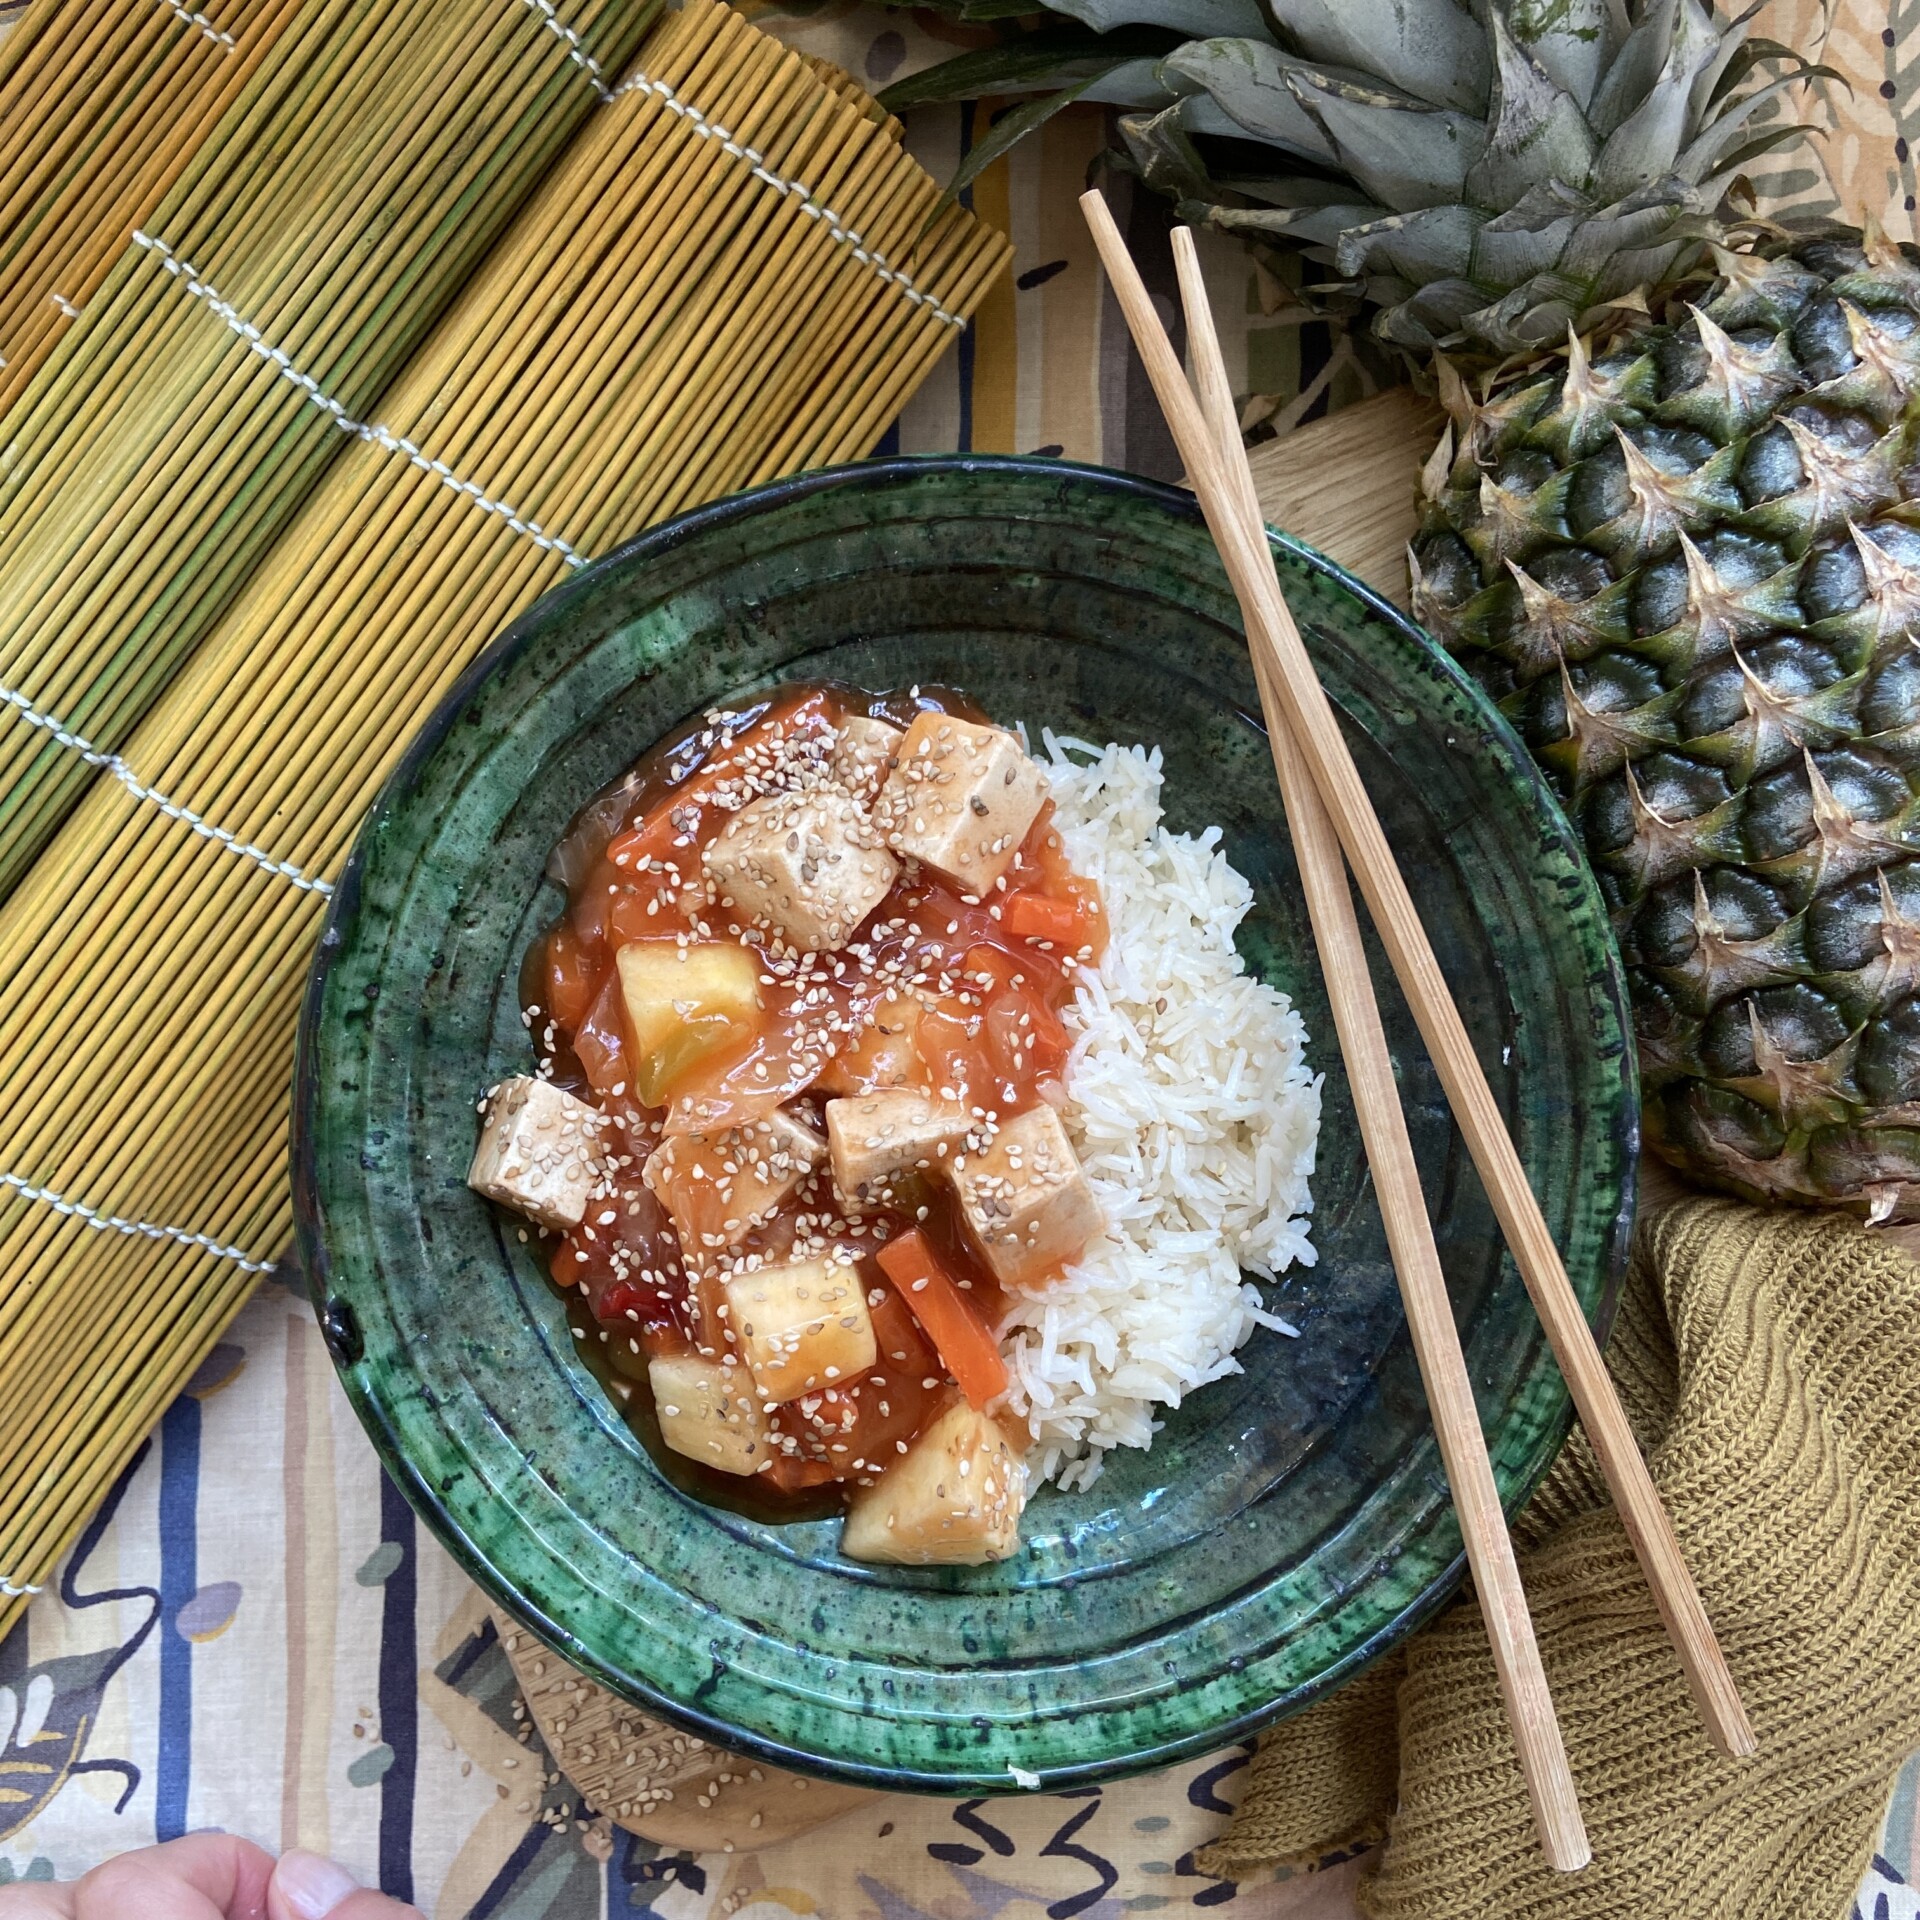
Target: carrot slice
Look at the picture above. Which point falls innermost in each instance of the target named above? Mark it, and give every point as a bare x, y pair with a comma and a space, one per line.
952, 1321
1036, 916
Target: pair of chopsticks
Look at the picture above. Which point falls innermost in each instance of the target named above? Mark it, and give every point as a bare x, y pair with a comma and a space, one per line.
1330, 815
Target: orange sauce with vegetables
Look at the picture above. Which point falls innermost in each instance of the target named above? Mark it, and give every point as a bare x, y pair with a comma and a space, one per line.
956, 996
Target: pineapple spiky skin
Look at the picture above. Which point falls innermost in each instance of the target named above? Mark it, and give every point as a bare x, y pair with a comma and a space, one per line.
1687, 566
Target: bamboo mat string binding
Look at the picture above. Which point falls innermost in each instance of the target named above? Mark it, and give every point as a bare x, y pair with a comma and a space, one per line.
259, 344
734, 209
102, 105
353, 185
384, 437
381, 436
200, 24
117, 766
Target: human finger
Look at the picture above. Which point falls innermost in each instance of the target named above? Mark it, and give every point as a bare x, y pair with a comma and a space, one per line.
306, 1886
202, 1876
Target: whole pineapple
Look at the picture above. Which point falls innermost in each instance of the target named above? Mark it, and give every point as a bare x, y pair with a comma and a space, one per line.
1674, 526
1687, 567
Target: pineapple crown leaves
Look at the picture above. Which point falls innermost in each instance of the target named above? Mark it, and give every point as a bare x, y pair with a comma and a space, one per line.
1485, 174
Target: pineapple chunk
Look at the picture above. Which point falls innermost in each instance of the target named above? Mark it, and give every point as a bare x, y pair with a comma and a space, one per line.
802, 1327
539, 1153
682, 1004
952, 1499
709, 1412
714, 1208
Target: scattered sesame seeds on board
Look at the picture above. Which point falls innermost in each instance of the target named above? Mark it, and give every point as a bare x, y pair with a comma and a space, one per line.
641, 1774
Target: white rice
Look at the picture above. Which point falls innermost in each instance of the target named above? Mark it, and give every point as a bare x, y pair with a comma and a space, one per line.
1194, 1115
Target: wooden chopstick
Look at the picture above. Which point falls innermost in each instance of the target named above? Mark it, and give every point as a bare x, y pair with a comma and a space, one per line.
1232, 509
1645, 1519
1383, 1127
1311, 718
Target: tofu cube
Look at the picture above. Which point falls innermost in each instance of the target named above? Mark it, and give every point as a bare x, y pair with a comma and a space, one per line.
961, 798
709, 1412
683, 1003
874, 1136
808, 865
539, 1152
717, 1187
863, 754
1026, 1199
802, 1327
954, 1498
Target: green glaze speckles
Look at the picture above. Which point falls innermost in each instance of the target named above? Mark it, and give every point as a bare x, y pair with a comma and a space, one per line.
1291, 1521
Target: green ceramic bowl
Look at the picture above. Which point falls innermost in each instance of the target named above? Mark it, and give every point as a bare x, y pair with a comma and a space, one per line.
1289, 1524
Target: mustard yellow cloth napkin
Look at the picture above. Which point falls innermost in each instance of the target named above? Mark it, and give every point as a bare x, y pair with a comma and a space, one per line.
1770, 1363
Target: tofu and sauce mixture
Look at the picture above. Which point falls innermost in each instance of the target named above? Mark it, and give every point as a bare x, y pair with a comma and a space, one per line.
796, 1139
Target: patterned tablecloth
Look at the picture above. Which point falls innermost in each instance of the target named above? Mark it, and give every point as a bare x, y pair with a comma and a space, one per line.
256, 1634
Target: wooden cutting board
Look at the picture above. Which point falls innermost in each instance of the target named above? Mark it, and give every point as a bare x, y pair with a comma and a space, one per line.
1349, 484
